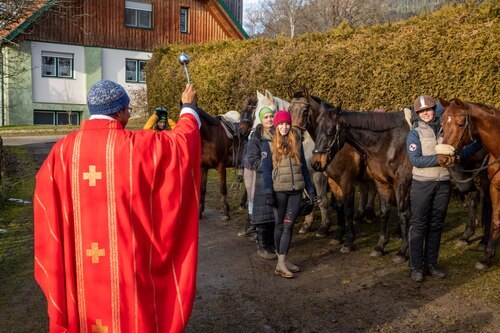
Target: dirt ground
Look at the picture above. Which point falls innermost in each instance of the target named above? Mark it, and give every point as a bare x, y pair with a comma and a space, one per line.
334, 292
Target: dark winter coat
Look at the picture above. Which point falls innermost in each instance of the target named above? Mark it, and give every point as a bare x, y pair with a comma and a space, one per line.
258, 149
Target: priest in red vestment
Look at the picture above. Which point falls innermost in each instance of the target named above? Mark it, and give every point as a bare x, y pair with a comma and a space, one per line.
116, 221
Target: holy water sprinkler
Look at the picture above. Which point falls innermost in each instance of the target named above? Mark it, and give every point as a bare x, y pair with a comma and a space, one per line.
184, 61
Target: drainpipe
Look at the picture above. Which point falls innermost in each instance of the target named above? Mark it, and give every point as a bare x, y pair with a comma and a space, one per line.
2, 82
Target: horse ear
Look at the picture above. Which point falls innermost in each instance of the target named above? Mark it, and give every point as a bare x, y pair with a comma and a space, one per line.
305, 92
291, 92
259, 95
459, 102
444, 102
338, 108
269, 96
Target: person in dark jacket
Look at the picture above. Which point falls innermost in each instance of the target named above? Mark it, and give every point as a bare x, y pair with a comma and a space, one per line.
285, 177
262, 215
430, 190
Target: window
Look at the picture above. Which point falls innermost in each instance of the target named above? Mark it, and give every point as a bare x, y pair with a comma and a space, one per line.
138, 14
135, 70
57, 64
42, 117
184, 20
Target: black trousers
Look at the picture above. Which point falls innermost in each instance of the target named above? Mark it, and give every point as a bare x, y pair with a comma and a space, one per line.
429, 204
288, 205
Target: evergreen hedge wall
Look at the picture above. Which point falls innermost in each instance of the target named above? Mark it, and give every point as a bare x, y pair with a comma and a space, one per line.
453, 52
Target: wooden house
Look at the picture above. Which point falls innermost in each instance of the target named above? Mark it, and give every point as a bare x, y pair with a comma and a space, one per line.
50, 58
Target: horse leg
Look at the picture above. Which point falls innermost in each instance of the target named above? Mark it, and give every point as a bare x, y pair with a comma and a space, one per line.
370, 215
338, 196
244, 199
486, 213
221, 169
472, 199
385, 208
204, 176
363, 198
495, 228
348, 188
321, 183
403, 202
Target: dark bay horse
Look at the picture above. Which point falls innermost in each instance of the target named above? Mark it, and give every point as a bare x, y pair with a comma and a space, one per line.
221, 149
381, 139
345, 170
462, 123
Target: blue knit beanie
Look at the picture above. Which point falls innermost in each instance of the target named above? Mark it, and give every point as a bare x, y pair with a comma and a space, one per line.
107, 97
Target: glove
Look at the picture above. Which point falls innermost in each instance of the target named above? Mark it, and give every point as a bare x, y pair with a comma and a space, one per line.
443, 149
270, 200
317, 199
446, 161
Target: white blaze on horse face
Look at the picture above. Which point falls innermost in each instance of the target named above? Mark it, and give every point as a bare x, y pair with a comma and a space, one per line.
449, 119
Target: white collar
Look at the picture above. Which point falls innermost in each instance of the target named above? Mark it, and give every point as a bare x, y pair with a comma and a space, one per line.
101, 116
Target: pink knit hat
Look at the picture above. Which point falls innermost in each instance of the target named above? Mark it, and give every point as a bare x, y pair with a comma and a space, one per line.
282, 116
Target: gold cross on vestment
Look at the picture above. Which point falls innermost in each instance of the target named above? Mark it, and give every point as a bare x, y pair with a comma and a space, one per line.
98, 328
95, 252
92, 175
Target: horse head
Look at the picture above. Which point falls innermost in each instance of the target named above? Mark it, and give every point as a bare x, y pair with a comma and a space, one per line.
299, 108
456, 125
247, 117
270, 101
329, 136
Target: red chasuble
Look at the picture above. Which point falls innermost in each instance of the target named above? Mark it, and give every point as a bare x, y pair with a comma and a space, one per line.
116, 228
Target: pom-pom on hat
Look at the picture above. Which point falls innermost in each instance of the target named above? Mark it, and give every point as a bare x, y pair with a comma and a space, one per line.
282, 116
107, 97
265, 110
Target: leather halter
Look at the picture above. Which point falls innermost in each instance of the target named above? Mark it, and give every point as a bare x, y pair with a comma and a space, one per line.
308, 106
467, 126
336, 139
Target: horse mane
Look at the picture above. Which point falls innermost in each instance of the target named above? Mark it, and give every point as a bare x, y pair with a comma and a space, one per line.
483, 107
374, 121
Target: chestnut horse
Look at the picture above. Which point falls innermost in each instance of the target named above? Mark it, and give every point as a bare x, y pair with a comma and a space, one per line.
345, 170
462, 123
381, 138
221, 150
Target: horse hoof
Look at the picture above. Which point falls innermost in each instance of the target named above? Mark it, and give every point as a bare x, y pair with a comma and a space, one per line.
241, 207
304, 229
226, 218
376, 253
481, 266
461, 244
322, 231
345, 249
399, 259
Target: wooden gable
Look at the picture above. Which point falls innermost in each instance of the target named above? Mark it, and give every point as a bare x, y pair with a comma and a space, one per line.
102, 24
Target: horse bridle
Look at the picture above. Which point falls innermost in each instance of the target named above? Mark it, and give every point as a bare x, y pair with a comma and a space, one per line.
467, 126
336, 140
308, 106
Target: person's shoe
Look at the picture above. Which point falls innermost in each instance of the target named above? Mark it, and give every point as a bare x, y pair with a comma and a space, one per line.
265, 254
283, 271
246, 232
416, 275
434, 271
291, 267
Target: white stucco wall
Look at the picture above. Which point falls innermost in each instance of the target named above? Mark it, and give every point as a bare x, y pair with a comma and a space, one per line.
113, 66
58, 90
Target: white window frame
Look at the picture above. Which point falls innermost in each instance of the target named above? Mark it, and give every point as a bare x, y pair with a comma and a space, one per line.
138, 78
57, 56
134, 10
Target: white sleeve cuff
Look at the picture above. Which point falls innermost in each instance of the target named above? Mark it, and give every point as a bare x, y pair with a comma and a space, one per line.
186, 110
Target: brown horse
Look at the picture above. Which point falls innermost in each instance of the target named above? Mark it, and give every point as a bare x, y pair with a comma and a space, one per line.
221, 149
462, 123
381, 139
345, 170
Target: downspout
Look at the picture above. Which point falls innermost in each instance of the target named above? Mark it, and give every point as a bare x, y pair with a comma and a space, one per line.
2, 82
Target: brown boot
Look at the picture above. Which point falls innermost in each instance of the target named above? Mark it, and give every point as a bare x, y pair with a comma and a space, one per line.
281, 268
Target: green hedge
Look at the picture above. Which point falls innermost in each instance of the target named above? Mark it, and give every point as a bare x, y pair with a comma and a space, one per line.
453, 52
